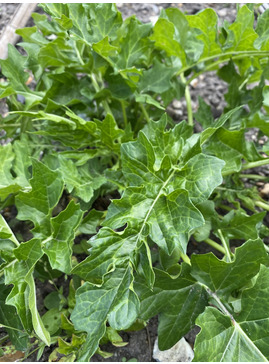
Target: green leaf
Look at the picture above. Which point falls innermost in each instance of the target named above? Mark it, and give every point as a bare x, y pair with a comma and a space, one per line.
238, 225
23, 294
157, 78
90, 223
38, 325
109, 133
114, 302
222, 277
135, 44
52, 320
15, 159
6, 232
224, 144
9, 317
58, 247
163, 35
13, 69
241, 34
207, 133
80, 181
173, 34
262, 29
104, 20
242, 338
108, 249
57, 53
179, 301
204, 114
38, 204
200, 176
206, 21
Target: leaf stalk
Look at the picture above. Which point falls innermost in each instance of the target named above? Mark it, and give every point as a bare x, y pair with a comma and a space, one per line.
144, 111
188, 100
215, 245
255, 164
185, 258
225, 245
228, 55
263, 205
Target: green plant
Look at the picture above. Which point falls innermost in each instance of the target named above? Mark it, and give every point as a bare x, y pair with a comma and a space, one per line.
93, 126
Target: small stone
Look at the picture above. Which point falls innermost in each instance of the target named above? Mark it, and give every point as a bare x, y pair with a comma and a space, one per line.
181, 352
265, 190
153, 19
194, 82
222, 12
177, 104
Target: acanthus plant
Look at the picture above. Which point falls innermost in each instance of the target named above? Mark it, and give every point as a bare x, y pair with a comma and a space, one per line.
94, 125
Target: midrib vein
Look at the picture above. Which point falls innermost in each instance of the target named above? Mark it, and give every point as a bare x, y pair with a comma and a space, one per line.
153, 204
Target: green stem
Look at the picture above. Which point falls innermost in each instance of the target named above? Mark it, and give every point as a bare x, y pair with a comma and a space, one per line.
225, 245
188, 100
11, 328
185, 258
220, 304
97, 89
255, 164
225, 207
95, 84
27, 356
124, 113
244, 83
4, 338
144, 111
215, 245
253, 176
263, 205
266, 247
228, 55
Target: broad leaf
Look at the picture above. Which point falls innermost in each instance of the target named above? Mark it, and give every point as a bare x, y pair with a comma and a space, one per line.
178, 300
222, 277
115, 302
240, 338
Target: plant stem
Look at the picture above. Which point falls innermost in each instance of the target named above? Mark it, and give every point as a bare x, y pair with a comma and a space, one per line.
263, 205
124, 113
144, 111
185, 258
188, 100
253, 176
30, 354
225, 207
11, 328
215, 245
255, 164
95, 84
98, 89
225, 245
4, 338
228, 55
221, 305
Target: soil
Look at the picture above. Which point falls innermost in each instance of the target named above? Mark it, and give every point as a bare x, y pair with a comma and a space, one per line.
212, 90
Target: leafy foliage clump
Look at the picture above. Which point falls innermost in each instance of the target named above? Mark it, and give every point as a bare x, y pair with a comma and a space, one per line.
89, 126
